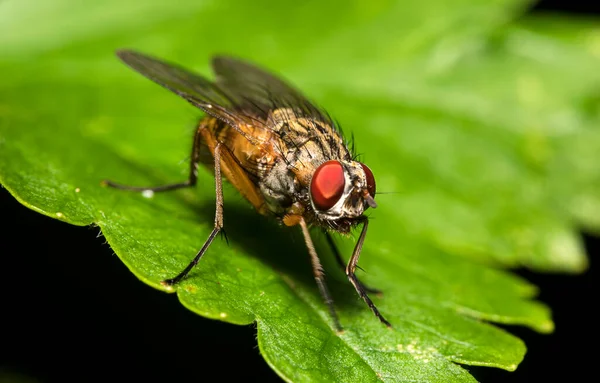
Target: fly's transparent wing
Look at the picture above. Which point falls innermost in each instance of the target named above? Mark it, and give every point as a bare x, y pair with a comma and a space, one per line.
242, 96
256, 92
195, 89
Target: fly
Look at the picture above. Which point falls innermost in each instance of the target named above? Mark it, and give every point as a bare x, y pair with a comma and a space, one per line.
283, 154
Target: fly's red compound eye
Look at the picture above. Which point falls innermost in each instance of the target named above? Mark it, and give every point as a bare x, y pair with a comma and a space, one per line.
370, 180
327, 185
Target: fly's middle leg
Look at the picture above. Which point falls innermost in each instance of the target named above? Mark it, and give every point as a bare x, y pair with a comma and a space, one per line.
319, 274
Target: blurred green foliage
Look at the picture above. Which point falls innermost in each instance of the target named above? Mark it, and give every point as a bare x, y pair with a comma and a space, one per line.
484, 124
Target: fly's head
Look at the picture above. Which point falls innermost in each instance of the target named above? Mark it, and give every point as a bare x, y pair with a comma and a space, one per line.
342, 190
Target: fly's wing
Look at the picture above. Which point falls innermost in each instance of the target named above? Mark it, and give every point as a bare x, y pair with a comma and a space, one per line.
256, 92
195, 89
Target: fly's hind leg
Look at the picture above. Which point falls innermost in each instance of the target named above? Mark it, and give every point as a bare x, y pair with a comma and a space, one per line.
340, 261
225, 165
218, 221
193, 175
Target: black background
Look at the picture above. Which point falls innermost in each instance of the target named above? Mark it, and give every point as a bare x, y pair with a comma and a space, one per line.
61, 321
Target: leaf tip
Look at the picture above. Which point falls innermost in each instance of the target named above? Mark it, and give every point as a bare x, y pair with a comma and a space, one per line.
546, 327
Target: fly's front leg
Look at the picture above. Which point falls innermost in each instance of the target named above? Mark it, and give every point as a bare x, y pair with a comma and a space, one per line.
191, 181
340, 261
352, 264
218, 221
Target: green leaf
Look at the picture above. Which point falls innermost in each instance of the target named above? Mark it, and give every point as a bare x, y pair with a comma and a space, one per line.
485, 130
574, 45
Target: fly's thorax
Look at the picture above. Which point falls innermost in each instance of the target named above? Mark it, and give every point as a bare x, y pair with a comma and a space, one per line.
305, 143
341, 190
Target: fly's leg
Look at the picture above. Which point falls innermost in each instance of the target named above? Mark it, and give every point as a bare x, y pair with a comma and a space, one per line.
191, 181
319, 274
340, 261
352, 264
218, 222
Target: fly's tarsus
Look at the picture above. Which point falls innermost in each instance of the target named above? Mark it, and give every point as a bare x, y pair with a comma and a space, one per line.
351, 268
184, 273
340, 262
155, 189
